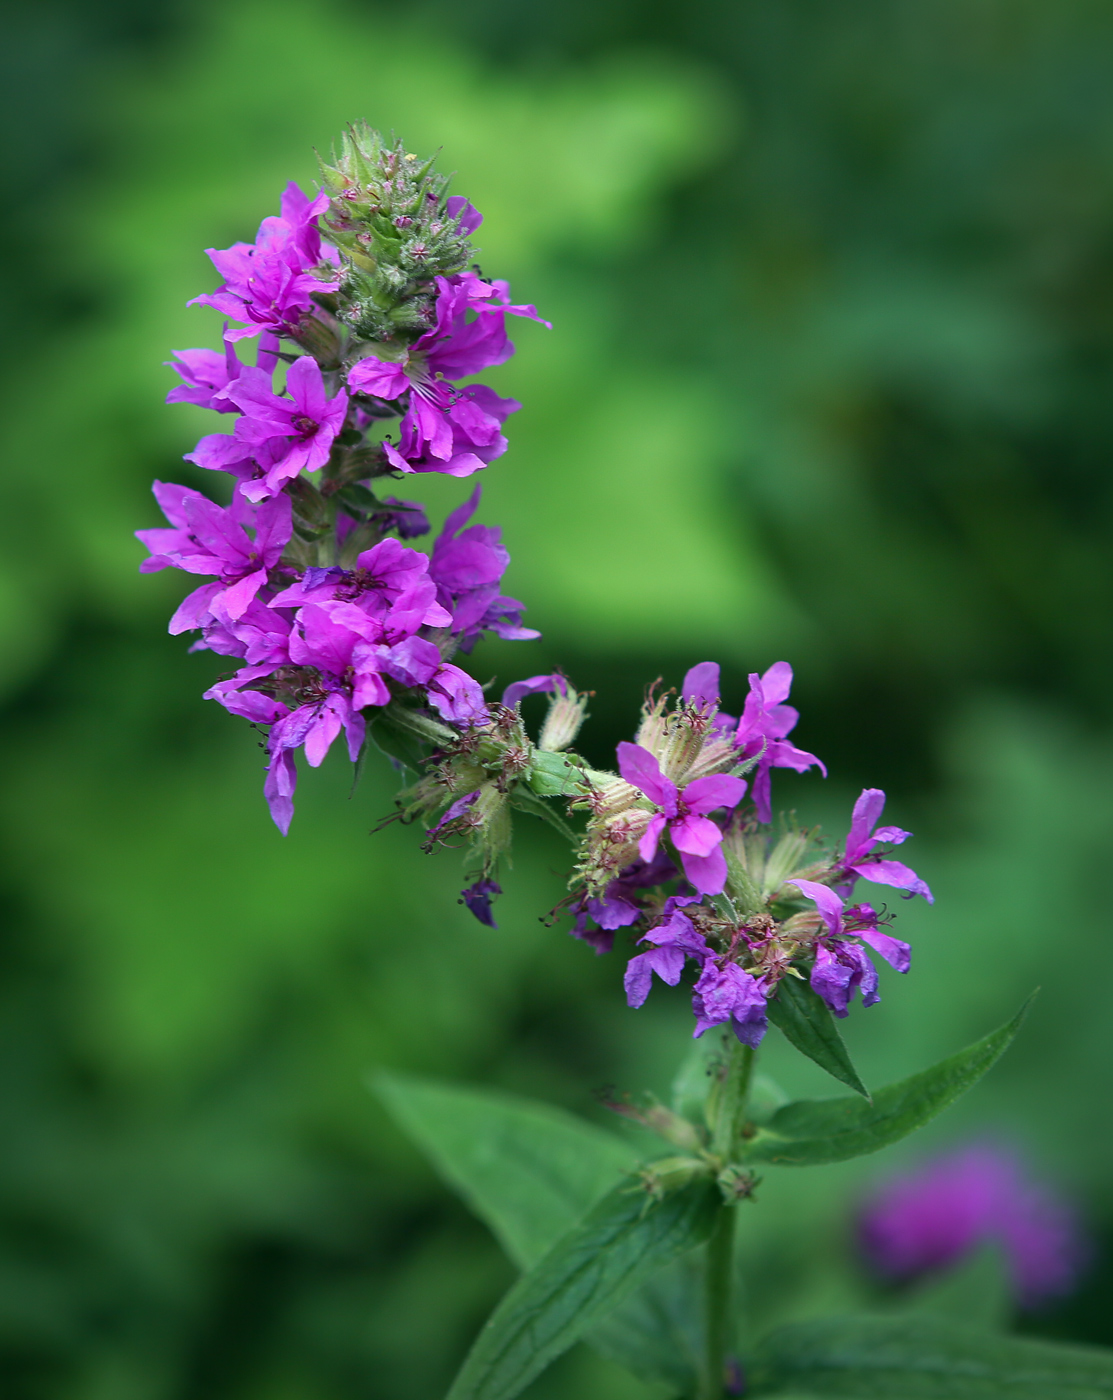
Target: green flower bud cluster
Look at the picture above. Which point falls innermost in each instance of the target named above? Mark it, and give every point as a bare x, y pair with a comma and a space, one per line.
388, 215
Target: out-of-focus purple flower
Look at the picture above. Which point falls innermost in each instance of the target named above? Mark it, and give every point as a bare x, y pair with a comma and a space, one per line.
931, 1218
728, 993
842, 966
534, 685
478, 899
445, 428
269, 283
864, 835
205, 538
467, 565
694, 835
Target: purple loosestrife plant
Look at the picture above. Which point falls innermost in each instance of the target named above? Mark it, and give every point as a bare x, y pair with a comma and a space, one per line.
370, 319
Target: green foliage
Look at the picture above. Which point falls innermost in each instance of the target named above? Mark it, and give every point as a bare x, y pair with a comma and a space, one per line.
806, 1134
920, 1358
529, 1170
621, 1243
807, 1024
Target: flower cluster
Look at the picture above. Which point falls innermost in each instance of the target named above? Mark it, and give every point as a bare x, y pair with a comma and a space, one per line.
366, 309
745, 906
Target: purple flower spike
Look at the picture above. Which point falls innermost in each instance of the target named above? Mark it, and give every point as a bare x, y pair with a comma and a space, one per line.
931, 1218
864, 835
694, 835
478, 899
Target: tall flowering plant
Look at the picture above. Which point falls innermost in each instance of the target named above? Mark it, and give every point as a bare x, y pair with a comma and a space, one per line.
370, 322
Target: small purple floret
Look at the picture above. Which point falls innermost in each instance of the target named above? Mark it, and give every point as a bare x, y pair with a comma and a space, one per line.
478, 899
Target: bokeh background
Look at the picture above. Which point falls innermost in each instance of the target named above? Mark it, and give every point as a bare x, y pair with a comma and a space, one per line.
830, 377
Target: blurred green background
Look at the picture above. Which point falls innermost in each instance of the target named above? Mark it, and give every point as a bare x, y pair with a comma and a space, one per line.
830, 380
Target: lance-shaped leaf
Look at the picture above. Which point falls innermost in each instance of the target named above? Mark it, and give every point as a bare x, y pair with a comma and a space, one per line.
812, 1132
528, 1170
618, 1245
806, 1023
922, 1358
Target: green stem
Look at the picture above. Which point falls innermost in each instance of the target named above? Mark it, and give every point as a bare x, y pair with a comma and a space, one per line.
717, 1291
728, 1117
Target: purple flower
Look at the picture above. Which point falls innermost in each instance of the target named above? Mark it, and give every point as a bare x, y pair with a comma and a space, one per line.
674, 941
478, 899
389, 581
535, 685
617, 907
762, 728
694, 835
307, 421
205, 538
933, 1217
268, 283
842, 966
445, 428
862, 838
467, 568
728, 993
208, 373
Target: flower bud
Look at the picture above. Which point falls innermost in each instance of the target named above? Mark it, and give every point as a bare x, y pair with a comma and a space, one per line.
566, 714
669, 1174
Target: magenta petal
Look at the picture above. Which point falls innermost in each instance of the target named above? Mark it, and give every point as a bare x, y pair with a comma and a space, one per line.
895, 952
867, 813
830, 905
701, 684
894, 873
776, 683
637, 980
278, 789
695, 835
719, 790
708, 873
324, 729
641, 770
647, 846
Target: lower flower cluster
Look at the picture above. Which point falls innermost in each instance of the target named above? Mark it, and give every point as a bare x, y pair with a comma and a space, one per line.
678, 847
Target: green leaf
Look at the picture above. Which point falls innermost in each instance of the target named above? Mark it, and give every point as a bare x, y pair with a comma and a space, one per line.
807, 1024
976, 1292
397, 744
528, 1171
922, 1358
622, 1241
657, 1333
525, 801
812, 1132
